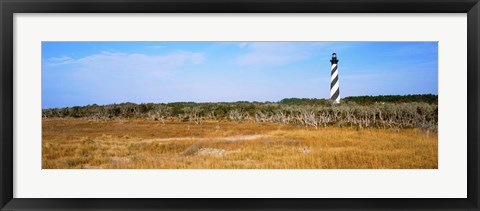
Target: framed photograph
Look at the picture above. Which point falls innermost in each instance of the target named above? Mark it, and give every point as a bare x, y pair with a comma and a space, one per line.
246, 105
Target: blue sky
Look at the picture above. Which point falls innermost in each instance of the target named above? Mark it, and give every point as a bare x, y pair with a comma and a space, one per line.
82, 73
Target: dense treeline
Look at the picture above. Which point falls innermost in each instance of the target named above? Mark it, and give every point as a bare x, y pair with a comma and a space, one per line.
304, 101
304, 112
427, 98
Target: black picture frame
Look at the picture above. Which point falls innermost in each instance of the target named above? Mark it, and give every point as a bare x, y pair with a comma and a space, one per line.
9, 7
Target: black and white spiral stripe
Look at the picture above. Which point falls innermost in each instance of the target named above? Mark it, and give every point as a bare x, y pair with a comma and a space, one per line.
334, 85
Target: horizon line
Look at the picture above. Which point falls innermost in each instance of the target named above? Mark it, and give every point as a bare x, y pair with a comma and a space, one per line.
238, 101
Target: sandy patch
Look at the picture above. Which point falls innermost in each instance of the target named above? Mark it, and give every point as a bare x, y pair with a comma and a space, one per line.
304, 150
215, 152
228, 138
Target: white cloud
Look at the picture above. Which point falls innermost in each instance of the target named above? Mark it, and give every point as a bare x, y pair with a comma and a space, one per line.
273, 53
420, 48
122, 63
54, 61
242, 44
108, 77
155, 46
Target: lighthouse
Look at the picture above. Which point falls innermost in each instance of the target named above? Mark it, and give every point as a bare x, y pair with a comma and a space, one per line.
334, 85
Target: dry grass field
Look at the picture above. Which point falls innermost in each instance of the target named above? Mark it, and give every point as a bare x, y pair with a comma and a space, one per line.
142, 144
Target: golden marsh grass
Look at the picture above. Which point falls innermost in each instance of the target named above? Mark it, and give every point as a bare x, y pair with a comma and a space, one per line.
143, 144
